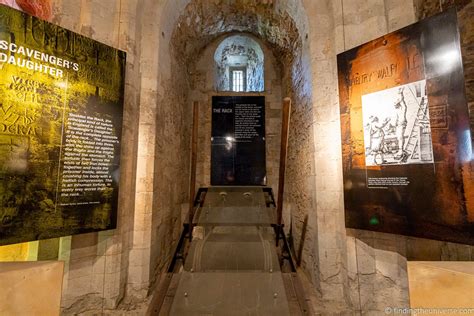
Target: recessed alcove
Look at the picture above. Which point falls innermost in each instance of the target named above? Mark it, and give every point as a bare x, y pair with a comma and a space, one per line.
185, 51
239, 65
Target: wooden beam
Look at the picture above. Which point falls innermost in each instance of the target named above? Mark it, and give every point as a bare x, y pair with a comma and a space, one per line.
285, 128
194, 145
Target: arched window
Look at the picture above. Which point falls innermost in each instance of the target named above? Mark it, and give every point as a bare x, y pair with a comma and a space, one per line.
240, 64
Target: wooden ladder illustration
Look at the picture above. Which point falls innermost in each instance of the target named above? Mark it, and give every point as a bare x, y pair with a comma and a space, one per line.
411, 149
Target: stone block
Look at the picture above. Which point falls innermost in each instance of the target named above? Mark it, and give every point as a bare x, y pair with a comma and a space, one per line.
138, 276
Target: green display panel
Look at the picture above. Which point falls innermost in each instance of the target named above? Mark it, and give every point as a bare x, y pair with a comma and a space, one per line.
61, 104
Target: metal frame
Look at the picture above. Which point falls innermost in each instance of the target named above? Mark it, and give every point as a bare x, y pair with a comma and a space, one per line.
187, 232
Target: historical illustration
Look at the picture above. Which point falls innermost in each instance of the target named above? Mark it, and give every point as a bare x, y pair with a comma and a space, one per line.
406, 139
397, 126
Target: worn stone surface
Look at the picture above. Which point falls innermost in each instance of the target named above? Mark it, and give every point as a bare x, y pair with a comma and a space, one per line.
235, 51
377, 271
369, 269
280, 26
170, 45
204, 85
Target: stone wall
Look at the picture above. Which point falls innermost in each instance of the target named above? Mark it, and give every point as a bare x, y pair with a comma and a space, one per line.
121, 266
162, 165
355, 270
95, 264
370, 273
349, 270
280, 26
203, 87
249, 53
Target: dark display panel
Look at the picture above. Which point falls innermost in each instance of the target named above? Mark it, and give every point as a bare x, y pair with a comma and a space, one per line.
61, 102
238, 140
406, 140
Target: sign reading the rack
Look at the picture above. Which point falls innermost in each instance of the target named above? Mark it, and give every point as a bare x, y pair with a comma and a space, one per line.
406, 137
238, 141
61, 101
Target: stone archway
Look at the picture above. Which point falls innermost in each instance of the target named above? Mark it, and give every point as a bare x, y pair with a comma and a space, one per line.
239, 51
177, 31
190, 26
162, 37
202, 22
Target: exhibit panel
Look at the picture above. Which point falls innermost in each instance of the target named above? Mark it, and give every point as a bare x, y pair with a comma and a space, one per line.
238, 140
170, 67
405, 133
61, 101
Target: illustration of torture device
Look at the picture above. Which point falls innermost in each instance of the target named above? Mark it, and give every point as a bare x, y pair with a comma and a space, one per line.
418, 145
